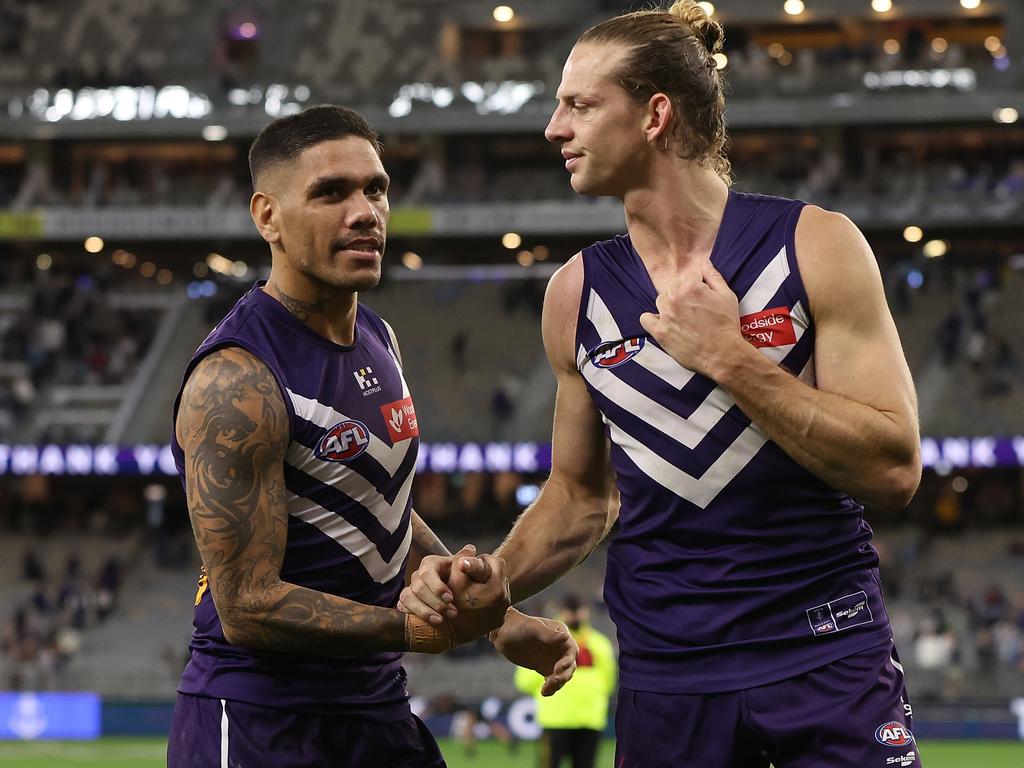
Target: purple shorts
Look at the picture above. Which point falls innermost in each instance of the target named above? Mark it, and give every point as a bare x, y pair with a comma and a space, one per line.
852, 713
213, 733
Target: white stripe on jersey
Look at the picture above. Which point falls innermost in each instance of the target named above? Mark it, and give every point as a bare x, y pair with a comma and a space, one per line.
653, 358
351, 538
352, 484
389, 457
355, 486
697, 490
687, 431
223, 734
767, 284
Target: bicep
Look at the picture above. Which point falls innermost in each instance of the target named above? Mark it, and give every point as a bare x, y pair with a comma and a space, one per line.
233, 427
579, 446
579, 450
858, 353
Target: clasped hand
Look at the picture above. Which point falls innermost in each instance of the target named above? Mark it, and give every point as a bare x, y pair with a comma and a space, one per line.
471, 594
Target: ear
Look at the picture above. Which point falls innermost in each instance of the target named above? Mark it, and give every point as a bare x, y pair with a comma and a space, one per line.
658, 121
262, 208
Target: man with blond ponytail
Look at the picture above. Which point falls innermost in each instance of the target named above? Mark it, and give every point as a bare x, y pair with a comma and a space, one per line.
731, 387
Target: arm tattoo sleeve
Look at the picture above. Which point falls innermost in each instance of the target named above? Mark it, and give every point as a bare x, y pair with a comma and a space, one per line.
233, 427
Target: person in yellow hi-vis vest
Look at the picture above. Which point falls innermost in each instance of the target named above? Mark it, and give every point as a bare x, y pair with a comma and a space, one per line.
574, 718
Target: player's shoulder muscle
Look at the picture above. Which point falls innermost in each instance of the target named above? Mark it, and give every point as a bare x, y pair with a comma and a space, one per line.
232, 399
837, 266
561, 310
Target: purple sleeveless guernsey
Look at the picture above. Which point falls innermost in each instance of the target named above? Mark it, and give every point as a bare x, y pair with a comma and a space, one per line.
733, 566
348, 474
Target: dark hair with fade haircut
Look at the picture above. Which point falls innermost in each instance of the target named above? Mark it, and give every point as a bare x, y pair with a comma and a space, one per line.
286, 137
673, 52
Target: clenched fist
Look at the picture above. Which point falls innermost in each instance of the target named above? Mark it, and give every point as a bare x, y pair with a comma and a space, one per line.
698, 321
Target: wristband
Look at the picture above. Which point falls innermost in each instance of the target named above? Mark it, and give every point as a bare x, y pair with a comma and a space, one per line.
423, 637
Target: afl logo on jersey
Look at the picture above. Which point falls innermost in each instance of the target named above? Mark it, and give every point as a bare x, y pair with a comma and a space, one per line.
343, 442
617, 352
894, 734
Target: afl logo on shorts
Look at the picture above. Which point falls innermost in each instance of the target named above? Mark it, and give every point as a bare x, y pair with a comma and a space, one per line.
343, 442
616, 353
894, 734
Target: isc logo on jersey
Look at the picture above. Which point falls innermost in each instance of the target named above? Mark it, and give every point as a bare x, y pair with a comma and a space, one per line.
343, 442
893, 734
611, 355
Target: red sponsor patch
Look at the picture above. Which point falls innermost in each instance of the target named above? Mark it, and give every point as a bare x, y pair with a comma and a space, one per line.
770, 328
400, 416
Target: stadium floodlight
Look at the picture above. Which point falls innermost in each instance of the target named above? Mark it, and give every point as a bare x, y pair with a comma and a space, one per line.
721, 61
970, 5
708, 8
793, 7
412, 260
1006, 115
503, 14
44, 261
881, 6
913, 234
511, 240
933, 249
93, 244
215, 132
993, 44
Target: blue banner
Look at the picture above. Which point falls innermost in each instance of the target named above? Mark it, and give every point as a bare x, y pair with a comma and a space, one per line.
943, 454
29, 716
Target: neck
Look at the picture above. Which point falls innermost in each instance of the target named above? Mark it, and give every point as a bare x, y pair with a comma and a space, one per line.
330, 312
674, 218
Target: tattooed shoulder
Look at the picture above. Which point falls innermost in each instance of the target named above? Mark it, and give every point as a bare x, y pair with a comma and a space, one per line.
233, 427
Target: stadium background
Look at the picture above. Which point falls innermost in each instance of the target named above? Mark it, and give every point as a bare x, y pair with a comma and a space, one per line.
124, 235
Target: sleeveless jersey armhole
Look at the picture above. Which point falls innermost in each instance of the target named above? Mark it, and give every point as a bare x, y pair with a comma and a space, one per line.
798, 286
581, 312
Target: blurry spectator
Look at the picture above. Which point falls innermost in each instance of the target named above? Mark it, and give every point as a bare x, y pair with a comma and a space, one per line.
934, 646
575, 718
108, 587
32, 568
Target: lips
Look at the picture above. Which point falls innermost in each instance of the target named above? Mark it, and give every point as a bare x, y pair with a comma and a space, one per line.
367, 247
571, 160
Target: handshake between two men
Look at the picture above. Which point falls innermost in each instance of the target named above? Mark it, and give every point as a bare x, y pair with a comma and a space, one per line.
462, 597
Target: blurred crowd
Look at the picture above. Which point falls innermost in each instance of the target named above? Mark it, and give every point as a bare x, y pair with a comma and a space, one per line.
45, 628
867, 174
67, 334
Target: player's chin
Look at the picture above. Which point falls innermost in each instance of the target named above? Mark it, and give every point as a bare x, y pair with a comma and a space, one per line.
582, 185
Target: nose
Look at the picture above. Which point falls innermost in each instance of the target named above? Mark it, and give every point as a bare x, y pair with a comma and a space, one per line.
361, 214
558, 126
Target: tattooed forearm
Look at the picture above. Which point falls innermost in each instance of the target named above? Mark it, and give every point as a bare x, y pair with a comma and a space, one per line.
424, 542
300, 620
233, 427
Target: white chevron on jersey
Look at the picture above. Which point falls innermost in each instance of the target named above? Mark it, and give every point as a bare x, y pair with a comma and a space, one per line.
767, 284
697, 490
653, 358
352, 484
687, 431
388, 456
355, 486
690, 430
351, 538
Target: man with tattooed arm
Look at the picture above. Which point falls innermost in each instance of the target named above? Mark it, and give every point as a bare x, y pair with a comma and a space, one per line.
296, 437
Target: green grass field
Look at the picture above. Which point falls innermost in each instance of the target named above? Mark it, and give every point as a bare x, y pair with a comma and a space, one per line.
149, 753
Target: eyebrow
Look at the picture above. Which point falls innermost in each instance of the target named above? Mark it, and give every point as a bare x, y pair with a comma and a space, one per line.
342, 180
